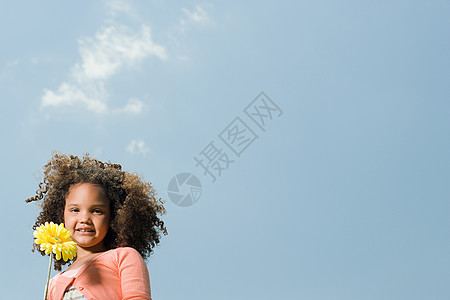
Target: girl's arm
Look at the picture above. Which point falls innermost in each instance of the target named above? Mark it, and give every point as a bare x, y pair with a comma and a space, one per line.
133, 273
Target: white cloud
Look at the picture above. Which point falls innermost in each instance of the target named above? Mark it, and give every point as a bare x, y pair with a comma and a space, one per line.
199, 15
137, 147
113, 47
70, 95
134, 106
119, 6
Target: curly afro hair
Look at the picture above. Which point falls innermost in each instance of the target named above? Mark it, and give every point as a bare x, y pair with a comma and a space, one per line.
134, 207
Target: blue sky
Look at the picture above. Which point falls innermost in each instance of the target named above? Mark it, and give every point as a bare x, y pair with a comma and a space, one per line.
344, 195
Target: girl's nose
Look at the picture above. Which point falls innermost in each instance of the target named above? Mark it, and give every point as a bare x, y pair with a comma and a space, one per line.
85, 218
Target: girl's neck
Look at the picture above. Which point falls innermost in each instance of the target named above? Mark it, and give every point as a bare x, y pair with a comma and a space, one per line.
86, 254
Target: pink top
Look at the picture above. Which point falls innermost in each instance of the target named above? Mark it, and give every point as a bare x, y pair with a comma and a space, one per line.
115, 274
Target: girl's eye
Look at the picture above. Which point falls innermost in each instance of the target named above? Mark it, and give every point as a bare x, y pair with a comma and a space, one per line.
97, 211
74, 209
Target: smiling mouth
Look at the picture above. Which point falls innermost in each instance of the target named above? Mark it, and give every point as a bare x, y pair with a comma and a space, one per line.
84, 230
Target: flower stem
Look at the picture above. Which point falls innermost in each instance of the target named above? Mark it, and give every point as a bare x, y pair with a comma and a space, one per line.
48, 277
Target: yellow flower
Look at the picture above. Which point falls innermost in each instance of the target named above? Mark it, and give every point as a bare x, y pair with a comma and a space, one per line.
55, 238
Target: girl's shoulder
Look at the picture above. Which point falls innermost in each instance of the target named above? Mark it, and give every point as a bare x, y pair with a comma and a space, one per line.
126, 250
123, 253
124, 258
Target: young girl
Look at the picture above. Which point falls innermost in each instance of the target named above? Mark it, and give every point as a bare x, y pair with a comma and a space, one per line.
114, 220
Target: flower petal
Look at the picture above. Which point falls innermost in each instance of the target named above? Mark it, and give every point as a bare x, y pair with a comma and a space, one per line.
55, 238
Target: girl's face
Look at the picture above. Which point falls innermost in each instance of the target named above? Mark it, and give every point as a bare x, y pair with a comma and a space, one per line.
87, 216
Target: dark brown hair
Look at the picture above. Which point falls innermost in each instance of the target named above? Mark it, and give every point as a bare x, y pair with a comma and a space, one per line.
134, 207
